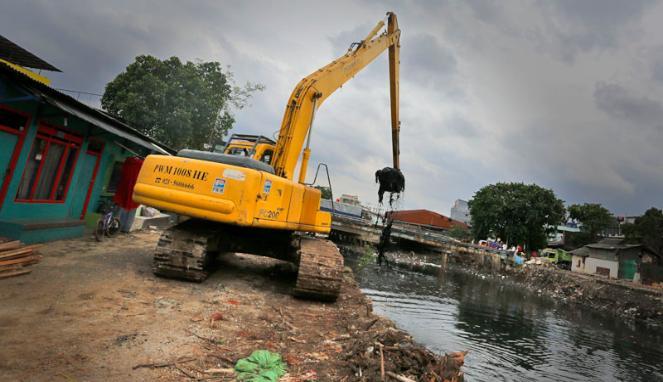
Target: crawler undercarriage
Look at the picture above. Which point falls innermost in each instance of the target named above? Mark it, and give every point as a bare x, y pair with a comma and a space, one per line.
186, 251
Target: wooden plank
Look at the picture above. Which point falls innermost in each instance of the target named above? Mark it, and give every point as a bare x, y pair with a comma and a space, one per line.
22, 252
10, 245
22, 260
32, 247
10, 268
5, 275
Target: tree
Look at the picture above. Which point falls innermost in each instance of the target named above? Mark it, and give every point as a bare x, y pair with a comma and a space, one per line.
647, 230
516, 213
460, 232
325, 192
179, 104
594, 218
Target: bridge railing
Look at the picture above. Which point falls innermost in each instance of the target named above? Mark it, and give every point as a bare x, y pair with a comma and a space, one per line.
414, 232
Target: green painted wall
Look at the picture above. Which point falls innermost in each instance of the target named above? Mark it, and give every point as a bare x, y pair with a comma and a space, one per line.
17, 231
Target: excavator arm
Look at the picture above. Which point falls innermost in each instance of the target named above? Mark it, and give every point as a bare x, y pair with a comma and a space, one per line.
312, 91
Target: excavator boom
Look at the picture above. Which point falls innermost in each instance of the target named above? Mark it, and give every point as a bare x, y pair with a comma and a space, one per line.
312, 91
394, 65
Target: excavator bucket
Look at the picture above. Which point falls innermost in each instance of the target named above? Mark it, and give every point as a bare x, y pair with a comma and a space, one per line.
391, 180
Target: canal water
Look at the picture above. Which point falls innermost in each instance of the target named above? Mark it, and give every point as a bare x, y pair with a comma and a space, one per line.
511, 333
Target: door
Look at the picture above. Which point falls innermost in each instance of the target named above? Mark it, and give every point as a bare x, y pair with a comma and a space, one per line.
79, 201
12, 134
94, 149
627, 269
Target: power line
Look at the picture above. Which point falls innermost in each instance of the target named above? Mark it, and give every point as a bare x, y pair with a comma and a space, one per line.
79, 92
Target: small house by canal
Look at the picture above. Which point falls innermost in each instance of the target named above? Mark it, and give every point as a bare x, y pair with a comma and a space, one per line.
614, 259
58, 157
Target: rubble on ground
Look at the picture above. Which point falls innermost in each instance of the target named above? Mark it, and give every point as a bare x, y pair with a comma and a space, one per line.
344, 341
131, 325
620, 297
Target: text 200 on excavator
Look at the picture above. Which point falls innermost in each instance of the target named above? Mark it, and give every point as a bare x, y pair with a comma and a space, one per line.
240, 204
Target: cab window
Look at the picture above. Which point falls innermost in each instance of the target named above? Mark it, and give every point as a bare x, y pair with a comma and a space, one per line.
266, 156
238, 151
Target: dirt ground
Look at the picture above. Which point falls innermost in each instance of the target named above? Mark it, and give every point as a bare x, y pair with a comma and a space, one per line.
95, 312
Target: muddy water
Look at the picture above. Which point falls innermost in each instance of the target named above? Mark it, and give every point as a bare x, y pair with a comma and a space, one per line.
512, 334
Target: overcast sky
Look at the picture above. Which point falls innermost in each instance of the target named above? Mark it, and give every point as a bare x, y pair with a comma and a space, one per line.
565, 94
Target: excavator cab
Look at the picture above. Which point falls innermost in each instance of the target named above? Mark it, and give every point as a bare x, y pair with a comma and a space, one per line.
241, 150
257, 147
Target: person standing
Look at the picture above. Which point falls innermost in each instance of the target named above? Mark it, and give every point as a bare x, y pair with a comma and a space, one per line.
123, 197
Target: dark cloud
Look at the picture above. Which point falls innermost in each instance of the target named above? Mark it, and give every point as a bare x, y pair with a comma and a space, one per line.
620, 103
592, 24
657, 65
657, 70
428, 62
341, 42
565, 94
487, 11
562, 29
459, 125
601, 17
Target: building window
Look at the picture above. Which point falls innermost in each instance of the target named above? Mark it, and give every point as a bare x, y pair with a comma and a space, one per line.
50, 166
12, 122
114, 180
94, 146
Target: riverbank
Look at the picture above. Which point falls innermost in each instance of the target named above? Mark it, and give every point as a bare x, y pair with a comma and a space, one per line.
623, 299
511, 333
95, 312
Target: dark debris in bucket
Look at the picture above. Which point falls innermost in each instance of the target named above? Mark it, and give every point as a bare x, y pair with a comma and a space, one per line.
391, 180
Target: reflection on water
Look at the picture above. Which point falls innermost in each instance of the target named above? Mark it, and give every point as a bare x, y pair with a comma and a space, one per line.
513, 335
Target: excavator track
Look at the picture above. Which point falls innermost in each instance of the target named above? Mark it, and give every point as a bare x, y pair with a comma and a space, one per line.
182, 253
185, 251
320, 274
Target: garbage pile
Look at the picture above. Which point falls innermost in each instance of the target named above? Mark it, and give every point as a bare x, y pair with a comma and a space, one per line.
391, 353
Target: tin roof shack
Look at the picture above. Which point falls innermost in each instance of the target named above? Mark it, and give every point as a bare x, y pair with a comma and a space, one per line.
613, 258
59, 157
427, 218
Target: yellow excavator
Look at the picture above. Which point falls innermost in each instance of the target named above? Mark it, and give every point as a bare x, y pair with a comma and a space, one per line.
240, 203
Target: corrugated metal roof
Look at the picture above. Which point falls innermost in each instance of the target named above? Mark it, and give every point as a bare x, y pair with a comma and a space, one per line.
612, 243
87, 113
426, 217
582, 251
613, 246
13, 53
